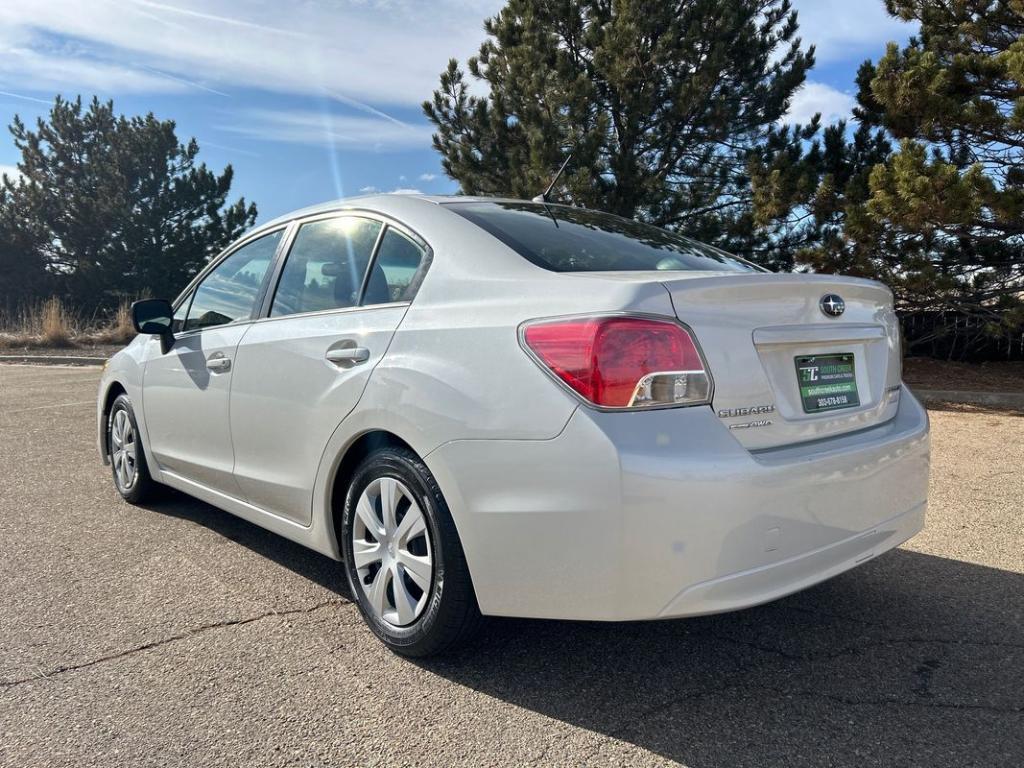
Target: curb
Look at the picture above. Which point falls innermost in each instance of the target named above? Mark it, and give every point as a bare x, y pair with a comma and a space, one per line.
997, 399
53, 359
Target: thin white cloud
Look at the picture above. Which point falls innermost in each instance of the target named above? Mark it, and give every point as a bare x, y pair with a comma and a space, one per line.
229, 20
372, 52
51, 67
155, 18
204, 143
25, 98
363, 107
183, 81
814, 98
841, 29
362, 54
405, 191
427, 176
326, 129
10, 170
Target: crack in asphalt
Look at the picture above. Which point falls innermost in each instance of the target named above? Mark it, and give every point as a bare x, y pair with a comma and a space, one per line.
856, 648
735, 684
5, 684
739, 679
854, 702
735, 680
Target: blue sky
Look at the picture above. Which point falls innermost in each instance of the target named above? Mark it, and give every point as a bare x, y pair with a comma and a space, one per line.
311, 101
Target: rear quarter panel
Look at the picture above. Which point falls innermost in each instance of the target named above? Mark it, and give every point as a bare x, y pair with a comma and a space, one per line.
455, 369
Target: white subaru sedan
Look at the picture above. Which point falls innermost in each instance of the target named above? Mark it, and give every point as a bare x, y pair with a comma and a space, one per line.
507, 408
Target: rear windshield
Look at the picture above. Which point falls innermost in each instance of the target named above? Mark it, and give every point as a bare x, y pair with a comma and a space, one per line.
565, 239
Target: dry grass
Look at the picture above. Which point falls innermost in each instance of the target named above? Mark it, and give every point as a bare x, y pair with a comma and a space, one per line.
118, 330
51, 325
55, 324
47, 324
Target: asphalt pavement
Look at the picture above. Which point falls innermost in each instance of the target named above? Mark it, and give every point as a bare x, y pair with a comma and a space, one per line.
178, 635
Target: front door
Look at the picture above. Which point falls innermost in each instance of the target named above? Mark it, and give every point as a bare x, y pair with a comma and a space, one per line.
186, 390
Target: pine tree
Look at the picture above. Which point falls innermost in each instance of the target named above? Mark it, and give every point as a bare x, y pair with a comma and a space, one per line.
927, 194
818, 191
107, 207
660, 104
954, 98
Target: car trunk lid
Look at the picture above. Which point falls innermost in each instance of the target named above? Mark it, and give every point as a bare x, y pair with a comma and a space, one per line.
756, 330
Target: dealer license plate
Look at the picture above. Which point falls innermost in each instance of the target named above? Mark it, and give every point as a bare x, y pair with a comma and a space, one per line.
827, 382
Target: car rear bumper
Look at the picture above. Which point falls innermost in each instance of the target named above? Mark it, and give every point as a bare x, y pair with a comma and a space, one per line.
770, 582
658, 514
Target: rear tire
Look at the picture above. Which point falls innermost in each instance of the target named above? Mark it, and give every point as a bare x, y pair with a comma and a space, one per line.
127, 457
403, 558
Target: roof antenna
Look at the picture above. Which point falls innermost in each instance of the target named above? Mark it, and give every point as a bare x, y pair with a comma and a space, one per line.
543, 196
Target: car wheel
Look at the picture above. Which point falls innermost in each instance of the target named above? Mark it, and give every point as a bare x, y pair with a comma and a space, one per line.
403, 557
127, 459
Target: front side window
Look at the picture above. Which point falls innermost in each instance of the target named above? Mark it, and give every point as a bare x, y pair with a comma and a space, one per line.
326, 265
230, 291
561, 238
395, 274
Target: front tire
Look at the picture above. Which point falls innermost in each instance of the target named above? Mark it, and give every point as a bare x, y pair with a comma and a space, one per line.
403, 558
127, 458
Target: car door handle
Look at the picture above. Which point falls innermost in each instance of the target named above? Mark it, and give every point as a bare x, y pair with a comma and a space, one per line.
348, 355
218, 363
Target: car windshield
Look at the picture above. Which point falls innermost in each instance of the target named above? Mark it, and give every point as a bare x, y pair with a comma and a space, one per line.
565, 239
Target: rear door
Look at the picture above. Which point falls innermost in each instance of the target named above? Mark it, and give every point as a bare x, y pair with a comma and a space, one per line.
344, 287
186, 390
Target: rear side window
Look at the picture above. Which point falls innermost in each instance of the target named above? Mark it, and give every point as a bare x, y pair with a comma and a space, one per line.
229, 292
565, 239
396, 272
326, 265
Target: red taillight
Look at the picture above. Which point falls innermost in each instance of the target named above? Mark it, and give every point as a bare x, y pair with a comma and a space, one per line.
621, 362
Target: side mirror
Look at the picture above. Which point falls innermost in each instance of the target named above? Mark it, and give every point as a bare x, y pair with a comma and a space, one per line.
154, 317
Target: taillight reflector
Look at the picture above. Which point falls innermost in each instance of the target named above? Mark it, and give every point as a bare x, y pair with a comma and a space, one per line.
621, 361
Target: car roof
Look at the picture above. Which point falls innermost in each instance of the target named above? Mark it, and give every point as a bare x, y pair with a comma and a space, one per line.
381, 203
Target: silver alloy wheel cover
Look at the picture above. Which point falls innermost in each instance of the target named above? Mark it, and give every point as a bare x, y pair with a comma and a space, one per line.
381, 554
123, 449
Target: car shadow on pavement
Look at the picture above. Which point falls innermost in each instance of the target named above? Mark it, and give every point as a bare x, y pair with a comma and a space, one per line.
910, 659
295, 557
